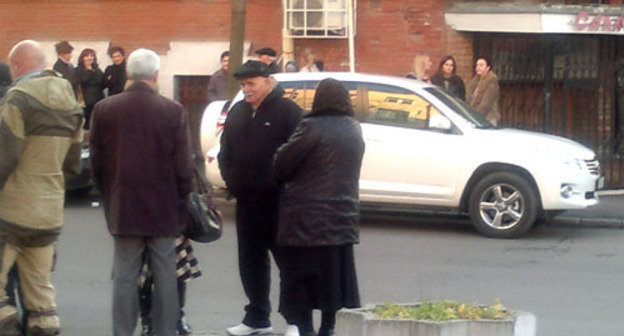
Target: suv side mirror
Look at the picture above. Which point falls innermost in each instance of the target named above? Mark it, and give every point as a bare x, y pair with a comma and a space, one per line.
439, 122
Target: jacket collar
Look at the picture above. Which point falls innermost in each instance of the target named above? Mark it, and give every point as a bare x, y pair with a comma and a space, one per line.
30, 74
326, 113
488, 76
275, 93
139, 86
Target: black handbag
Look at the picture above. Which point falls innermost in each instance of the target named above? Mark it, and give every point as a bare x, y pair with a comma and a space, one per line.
205, 224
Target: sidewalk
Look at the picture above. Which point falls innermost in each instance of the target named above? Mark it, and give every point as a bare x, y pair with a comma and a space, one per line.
609, 213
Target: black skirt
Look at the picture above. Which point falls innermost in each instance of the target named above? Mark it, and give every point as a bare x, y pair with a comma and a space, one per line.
318, 277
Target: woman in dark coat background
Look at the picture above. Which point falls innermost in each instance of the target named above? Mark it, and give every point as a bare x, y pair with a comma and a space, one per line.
319, 168
91, 81
5, 79
448, 80
115, 74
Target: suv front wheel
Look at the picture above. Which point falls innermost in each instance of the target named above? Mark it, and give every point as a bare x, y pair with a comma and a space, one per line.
503, 205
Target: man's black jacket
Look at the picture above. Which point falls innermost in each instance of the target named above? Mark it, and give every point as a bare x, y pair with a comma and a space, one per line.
249, 142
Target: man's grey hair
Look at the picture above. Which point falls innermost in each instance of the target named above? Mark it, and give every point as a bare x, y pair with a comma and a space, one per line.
142, 64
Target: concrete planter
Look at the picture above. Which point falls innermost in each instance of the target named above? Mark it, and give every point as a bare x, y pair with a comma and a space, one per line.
362, 322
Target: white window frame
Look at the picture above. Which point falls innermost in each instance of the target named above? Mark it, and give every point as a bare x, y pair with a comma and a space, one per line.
330, 8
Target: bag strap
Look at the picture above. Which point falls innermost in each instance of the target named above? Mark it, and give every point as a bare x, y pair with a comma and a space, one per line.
202, 186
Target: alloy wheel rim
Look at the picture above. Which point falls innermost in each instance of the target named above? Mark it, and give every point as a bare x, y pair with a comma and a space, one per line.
501, 206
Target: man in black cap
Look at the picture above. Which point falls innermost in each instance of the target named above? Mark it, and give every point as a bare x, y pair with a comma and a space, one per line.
254, 129
267, 56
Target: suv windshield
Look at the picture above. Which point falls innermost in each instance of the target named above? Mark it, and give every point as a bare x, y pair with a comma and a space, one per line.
460, 107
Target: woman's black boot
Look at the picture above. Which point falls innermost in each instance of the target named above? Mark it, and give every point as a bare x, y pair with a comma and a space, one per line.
328, 321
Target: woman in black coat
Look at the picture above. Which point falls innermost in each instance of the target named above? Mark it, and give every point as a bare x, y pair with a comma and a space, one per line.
448, 80
91, 81
115, 74
319, 169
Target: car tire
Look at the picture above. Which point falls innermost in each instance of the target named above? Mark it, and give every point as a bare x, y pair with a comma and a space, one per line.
503, 205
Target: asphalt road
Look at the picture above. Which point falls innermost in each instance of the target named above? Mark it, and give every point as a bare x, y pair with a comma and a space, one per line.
570, 277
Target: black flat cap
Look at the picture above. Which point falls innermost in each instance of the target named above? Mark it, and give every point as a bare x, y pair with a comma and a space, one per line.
266, 51
252, 69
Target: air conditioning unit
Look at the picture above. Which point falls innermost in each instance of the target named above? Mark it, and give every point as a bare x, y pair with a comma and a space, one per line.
317, 15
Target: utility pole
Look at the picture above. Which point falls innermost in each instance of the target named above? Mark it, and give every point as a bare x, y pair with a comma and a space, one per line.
237, 40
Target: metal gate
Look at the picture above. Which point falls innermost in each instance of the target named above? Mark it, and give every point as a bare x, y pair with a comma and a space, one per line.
564, 85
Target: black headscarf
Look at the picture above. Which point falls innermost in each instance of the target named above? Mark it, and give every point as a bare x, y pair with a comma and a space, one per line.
331, 98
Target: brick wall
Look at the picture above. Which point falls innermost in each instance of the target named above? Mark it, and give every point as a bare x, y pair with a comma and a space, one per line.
132, 24
390, 32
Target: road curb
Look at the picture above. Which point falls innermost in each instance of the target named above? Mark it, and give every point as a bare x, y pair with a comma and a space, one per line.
615, 192
599, 223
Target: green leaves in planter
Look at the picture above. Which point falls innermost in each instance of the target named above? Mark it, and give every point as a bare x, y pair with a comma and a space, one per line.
441, 311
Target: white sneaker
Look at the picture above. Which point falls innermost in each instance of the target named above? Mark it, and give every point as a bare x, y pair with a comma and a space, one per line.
291, 330
244, 330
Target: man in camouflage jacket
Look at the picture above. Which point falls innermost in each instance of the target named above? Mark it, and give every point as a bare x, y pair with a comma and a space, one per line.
40, 135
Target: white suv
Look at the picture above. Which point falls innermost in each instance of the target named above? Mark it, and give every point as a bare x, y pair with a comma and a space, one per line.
427, 150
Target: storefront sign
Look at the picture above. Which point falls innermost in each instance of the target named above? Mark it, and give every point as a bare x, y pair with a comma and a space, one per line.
594, 23
586, 22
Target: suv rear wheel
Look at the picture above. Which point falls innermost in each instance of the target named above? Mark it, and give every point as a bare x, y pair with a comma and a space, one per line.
503, 205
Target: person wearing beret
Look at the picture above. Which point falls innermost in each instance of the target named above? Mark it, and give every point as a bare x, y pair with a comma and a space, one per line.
267, 56
254, 129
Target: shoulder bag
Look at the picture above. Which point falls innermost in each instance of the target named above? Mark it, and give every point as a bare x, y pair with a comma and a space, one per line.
205, 224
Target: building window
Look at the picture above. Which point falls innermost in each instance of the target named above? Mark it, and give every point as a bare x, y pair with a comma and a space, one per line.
316, 18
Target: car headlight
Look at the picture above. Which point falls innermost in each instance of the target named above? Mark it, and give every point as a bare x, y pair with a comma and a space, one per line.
576, 164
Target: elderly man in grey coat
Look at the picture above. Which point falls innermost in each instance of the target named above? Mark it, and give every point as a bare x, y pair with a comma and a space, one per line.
142, 165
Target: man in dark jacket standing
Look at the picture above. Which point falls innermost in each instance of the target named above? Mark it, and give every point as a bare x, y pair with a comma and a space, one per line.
142, 165
254, 129
218, 81
63, 63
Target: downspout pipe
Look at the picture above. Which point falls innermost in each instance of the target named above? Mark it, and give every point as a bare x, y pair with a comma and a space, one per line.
288, 43
351, 36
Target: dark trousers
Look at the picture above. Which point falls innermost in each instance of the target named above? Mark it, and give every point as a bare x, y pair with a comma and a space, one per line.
256, 228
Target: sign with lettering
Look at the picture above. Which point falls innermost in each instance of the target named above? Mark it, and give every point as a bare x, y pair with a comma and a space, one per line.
598, 22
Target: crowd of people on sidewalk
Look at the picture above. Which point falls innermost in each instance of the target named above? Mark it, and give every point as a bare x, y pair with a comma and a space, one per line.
297, 195
481, 92
89, 83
